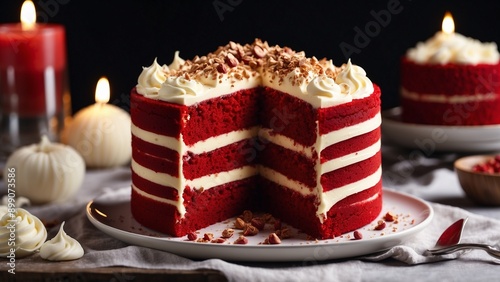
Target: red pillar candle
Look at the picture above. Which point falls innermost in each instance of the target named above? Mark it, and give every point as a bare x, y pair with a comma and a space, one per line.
34, 96
32, 69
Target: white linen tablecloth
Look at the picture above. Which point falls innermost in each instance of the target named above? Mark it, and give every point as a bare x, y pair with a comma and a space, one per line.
429, 177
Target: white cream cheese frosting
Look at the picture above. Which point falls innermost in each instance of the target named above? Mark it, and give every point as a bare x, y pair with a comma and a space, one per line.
61, 248
326, 89
445, 48
177, 62
29, 233
323, 86
353, 81
317, 82
151, 79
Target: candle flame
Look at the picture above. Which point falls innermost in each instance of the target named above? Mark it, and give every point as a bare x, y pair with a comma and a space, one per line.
448, 25
28, 15
102, 91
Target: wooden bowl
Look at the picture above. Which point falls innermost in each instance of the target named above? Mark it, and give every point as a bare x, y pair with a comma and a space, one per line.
481, 187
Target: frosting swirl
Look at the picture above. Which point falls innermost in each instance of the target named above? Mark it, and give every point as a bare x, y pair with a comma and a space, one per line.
61, 247
177, 89
151, 79
177, 62
30, 233
323, 86
352, 80
445, 48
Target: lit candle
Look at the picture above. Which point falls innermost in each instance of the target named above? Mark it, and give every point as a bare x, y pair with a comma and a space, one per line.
447, 36
32, 79
448, 25
101, 132
31, 53
448, 46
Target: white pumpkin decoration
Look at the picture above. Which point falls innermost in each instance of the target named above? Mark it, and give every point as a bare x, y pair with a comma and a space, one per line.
46, 172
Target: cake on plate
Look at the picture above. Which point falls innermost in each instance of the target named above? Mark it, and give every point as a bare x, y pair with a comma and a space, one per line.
255, 127
449, 80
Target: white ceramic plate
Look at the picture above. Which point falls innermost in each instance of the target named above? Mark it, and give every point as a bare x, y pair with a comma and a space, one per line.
433, 138
110, 213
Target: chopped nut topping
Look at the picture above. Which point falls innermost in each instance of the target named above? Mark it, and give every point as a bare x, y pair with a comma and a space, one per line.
247, 215
267, 217
284, 233
219, 240
245, 60
227, 233
389, 216
274, 239
233, 45
208, 236
358, 235
259, 51
231, 60
239, 223
277, 224
222, 68
250, 230
258, 223
241, 240
380, 225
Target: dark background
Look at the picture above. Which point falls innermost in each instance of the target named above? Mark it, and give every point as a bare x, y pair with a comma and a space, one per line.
116, 38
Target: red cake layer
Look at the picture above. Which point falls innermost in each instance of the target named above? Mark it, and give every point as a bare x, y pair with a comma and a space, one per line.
198, 122
354, 215
477, 113
296, 167
351, 173
157, 150
202, 209
350, 145
451, 79
222, 115
280, 113
155, 163
223, 159
154, 189
301, 168
156, 116
349, 214
288, 116
357, 111
197, 165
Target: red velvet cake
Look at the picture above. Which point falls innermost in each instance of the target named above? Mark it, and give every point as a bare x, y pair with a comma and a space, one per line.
255, 127
451, 80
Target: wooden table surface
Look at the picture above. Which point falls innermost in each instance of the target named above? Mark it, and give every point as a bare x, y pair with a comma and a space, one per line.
116, 274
